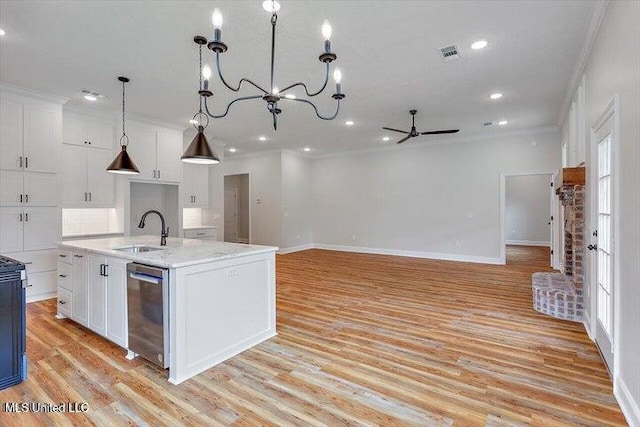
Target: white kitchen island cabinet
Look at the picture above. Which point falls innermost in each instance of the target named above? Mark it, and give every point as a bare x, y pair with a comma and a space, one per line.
221, 296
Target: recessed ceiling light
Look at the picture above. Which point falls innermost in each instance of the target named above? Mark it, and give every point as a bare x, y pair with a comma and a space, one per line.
496, 95
307, 149
349, 123
271, 6
262, 138
480, 44
502, 122
232, 150
290, 96
2, 33
90, 97
385, 138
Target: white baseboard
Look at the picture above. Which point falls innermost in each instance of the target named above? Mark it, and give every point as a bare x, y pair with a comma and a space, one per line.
298, 248
41, 297
242, 240
587, 325
413, 254
630, 408
527, 243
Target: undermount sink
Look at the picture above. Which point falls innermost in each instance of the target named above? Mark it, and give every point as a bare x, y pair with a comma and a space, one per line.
135, 249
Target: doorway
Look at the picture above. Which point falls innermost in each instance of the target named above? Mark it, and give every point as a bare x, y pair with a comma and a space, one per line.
237, 208
527, 211
603, 226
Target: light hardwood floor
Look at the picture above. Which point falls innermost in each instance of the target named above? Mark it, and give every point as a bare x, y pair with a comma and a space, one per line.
362, 340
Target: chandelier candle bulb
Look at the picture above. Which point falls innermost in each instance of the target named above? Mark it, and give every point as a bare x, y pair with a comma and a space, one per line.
206, 75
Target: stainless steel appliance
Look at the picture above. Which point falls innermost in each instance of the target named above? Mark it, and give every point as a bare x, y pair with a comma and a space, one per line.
148, 308
13, 355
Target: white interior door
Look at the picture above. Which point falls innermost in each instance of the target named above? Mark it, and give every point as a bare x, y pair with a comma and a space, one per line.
604, 243
230, 215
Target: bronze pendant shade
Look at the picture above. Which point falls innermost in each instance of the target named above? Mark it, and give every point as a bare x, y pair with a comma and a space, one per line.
199, 151
123, 164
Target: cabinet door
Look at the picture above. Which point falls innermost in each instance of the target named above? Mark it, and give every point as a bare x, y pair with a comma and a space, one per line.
74, 176
186, 188
97, 286
41, 130
117, 329
142, 149
101, 134
80, 288
11, 188
200, 185
11, 224
74, 129
100, 183
169, 152
40, 189
41, 285
11, 134
42, 228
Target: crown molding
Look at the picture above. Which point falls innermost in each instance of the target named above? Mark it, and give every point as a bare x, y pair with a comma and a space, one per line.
31, 93
593, 29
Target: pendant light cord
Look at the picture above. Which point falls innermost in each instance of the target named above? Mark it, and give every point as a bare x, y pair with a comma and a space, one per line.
200, 74
124, 133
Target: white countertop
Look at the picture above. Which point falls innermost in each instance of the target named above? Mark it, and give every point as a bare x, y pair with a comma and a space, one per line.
178, 252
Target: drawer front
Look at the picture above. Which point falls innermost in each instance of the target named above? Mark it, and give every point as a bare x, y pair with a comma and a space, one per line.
64, 276
65, 302
201, 233
64, 256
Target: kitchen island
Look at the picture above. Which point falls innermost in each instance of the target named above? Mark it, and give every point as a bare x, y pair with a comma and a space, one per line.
221, 296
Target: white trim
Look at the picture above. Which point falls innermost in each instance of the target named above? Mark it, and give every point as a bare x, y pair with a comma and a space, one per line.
592, 32
6, 89
528, 243
503, 206
40, 297
292, 249
630, 408
412, 254
587, 325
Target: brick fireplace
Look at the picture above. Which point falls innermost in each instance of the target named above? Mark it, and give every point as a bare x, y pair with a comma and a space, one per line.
561, 295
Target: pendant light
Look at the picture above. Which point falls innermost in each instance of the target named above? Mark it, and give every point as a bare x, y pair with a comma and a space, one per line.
199, 151
123, 163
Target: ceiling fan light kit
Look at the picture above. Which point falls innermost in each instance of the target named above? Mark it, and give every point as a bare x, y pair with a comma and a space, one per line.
272, 96
413, 132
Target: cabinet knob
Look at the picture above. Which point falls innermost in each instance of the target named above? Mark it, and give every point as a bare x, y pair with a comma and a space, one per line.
62, 275
62, 302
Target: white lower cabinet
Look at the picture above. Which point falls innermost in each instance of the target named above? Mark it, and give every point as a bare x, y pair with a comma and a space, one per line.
79, 272
107, 297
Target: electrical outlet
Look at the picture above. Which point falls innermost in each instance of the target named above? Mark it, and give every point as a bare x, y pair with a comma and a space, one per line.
353, 237
513, 232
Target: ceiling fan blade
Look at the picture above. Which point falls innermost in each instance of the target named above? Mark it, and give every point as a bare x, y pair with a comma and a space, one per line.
438, 132
396, 130
404, 139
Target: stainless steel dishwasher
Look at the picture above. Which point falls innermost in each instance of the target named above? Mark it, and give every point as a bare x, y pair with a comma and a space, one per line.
148, 308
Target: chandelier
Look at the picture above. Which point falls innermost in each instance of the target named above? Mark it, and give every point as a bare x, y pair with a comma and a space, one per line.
272, 97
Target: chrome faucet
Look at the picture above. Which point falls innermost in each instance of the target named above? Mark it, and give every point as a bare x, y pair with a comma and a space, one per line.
164, 233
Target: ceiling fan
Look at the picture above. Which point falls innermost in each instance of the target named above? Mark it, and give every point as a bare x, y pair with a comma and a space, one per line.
414, 132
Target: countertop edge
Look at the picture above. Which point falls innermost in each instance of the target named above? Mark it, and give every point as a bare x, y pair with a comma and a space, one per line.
133, 258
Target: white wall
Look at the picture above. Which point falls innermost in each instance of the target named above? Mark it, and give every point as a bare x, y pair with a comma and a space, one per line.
527, 209
297, 214
240, 183
613, 67
264, 175
440, 200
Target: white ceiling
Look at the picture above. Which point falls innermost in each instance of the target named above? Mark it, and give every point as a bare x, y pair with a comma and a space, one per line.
387, 51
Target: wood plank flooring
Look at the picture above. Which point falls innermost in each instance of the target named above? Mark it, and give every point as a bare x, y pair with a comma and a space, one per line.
362, 340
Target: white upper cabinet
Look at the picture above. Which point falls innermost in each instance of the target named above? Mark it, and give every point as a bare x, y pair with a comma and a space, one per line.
11, 135
40, 189
41, 136
195, 186
156, 152
168, 153
28, 229
89, 131
11, 220
85, 180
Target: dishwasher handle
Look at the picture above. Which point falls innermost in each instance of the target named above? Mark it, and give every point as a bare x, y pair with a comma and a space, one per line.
146, 278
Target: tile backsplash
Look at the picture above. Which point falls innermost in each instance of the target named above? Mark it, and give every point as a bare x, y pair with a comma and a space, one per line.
191, 217
78, 222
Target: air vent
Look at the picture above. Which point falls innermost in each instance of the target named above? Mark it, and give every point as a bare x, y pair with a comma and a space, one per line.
450, 53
